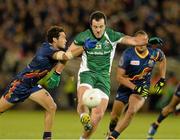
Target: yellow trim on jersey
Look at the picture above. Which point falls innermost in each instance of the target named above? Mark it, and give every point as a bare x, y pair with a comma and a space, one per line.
142, 55
142, 74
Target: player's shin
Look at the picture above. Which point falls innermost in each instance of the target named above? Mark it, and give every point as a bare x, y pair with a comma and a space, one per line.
113, 124
84, 117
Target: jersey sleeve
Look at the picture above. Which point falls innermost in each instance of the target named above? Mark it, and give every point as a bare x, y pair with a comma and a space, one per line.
124, 60
49, 51
46, 50
81, 37
118, 35
113, 35
160, 55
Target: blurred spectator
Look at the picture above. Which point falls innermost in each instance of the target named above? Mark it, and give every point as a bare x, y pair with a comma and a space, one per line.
26, 20
168, 91
70, 91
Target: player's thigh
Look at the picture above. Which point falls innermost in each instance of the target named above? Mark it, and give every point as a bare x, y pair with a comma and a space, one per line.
4, 104
123, 94
80, 91
135, 102
85, 81
117, 109
43, 98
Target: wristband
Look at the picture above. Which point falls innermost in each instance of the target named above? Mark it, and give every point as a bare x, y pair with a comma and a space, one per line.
69, 55
59, 55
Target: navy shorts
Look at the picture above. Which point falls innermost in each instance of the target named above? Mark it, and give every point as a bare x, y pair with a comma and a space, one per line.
123, 94
177, 93
18, 91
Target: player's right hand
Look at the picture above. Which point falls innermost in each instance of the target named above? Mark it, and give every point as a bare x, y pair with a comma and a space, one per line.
89, 44
142, 90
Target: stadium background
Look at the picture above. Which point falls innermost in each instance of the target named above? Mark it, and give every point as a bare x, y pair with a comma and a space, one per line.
23, 25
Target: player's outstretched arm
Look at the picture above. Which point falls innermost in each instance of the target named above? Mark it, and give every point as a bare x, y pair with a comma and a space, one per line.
72, 52
133, 41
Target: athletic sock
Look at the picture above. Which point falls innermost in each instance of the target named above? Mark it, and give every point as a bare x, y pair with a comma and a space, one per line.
115, 134
161, 118
81, 138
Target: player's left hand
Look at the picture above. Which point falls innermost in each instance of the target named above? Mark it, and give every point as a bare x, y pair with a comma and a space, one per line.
159, 86
51, 80
156, 40
89, 44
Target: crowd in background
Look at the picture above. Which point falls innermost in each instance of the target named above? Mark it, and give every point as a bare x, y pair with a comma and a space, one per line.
24, 23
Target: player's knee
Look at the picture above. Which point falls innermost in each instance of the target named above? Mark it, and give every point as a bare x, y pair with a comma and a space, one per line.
168, 109
52, 107
114, 115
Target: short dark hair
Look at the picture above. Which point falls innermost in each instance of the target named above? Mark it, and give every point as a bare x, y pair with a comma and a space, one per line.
141, 32
53, 32
97, 15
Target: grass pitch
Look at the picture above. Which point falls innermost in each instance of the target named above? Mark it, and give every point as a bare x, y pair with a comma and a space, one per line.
29, 125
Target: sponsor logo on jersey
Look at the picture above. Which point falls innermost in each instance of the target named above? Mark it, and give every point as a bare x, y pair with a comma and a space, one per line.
98, 53
135, 62
98, 46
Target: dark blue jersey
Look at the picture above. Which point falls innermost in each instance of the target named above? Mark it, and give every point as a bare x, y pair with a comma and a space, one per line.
39, 66
139, 69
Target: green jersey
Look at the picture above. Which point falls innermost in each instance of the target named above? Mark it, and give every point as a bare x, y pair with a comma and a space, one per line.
98, 59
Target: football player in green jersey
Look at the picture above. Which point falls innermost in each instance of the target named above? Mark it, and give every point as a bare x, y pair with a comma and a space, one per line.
99, 43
